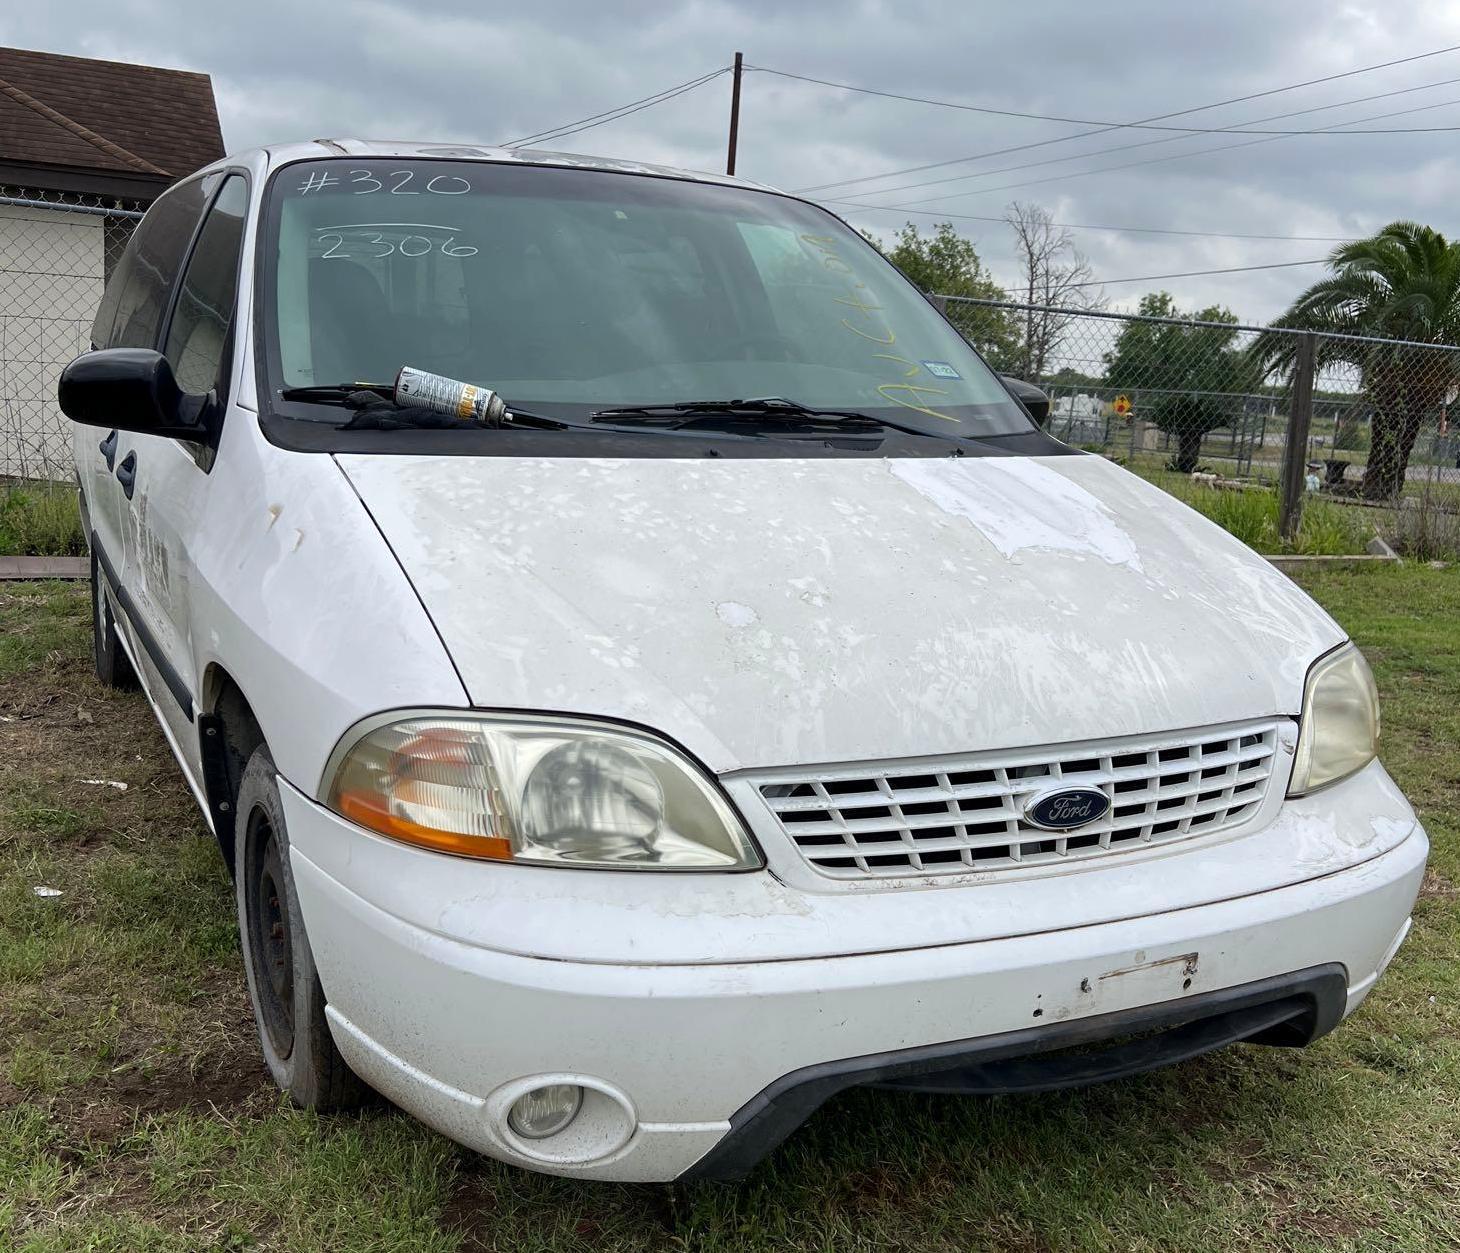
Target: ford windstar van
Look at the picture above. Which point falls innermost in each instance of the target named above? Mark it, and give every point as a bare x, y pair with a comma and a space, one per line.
646, 674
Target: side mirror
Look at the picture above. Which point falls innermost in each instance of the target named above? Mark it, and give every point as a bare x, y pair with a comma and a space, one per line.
131, 389
1035, 402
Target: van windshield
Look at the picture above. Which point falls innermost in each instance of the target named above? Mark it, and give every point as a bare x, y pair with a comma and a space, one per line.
570, 290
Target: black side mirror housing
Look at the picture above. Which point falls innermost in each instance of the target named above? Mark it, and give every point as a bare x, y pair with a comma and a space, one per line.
1035, 402
131, 389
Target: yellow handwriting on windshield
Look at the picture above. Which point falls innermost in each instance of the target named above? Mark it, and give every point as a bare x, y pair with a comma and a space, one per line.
912, 366
891, 338
886, 389
876, 330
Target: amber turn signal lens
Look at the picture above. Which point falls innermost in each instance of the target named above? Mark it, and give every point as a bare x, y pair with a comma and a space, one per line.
367, 812
430, 785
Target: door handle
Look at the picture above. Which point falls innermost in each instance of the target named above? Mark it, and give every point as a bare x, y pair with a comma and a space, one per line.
108, 448
127, 474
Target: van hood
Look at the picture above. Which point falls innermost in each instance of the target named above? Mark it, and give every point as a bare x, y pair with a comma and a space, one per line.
769, 612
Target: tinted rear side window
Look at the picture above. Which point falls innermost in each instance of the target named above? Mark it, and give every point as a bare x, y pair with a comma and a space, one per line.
106, 312
148, 270
198, 335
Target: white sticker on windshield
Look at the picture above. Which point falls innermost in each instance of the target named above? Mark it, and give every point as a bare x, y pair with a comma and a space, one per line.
941, 369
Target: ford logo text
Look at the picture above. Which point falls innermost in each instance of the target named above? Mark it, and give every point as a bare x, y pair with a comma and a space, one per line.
1064, 809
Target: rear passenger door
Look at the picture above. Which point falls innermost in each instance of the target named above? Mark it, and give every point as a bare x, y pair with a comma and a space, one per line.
172, 478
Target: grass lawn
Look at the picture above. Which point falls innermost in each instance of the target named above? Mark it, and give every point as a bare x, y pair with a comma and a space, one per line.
135, 1114
40, 519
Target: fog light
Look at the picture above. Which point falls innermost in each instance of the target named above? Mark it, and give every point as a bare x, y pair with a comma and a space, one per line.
545, 1111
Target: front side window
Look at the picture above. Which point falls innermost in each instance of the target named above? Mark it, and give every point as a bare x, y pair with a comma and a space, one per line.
198, 334
144, 279
569, 290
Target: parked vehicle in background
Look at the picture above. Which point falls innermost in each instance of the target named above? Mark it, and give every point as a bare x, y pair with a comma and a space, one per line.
745, 702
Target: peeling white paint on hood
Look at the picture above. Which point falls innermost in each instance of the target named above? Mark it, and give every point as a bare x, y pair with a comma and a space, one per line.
1019, 503
771, 612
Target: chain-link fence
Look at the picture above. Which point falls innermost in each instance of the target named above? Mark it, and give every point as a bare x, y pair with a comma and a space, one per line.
1176, 397
56, 252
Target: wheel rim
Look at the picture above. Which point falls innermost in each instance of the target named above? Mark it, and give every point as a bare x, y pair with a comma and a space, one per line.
271, 949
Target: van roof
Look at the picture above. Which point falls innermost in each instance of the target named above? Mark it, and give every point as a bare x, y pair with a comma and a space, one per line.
282, 154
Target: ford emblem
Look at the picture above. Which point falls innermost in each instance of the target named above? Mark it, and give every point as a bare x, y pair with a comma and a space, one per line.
1065, 808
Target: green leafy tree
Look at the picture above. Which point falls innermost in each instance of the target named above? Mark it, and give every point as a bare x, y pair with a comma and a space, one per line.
1184, 378
1069, 379
944, 263
1400, 284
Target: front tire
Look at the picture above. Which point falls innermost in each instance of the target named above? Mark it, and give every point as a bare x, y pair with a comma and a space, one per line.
112, 667
288, 1000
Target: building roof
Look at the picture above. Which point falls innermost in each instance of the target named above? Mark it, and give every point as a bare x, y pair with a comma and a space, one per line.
106, 123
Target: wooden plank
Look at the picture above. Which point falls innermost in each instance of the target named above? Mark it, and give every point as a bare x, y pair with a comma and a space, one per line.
44, 568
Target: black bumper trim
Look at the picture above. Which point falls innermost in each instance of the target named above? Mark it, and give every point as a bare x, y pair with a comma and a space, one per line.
1290, 1010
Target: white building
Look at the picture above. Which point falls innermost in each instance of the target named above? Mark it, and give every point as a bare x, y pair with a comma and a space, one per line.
84, 147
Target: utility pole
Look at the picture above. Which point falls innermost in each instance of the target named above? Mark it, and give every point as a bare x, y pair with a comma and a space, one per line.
734, 117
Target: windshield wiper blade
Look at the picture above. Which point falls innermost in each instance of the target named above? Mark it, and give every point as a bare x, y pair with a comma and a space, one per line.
336, 393
376, 409
776, 409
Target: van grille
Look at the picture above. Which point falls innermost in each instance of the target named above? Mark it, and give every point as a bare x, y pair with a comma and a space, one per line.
966, 816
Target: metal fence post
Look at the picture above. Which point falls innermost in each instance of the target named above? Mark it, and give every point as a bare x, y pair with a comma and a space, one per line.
1295, 448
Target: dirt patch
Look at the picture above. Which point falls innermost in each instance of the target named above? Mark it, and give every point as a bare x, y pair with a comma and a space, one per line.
471, 1213
1435, 884
10, 1095
227, 1083
103, 1111
616, 1215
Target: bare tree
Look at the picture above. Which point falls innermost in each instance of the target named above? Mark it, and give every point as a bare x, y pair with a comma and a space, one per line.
1055, 277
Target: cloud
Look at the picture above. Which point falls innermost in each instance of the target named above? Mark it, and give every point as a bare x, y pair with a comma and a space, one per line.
457, 70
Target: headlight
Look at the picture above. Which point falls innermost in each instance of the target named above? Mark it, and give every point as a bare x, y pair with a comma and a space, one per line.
1340, 729
536, 790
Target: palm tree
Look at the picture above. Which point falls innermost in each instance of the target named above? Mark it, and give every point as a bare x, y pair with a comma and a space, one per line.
1401, 284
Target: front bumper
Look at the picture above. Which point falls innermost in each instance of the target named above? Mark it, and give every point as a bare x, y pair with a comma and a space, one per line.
1289, 1010
673, 1049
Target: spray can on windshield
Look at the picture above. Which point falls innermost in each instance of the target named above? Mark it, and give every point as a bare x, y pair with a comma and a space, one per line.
422, 390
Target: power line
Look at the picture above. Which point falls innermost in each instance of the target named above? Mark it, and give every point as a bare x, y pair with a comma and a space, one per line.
1161, 117
1236, 269
1086, 226
612, 115
1175, 156
1084, 121
1169, 139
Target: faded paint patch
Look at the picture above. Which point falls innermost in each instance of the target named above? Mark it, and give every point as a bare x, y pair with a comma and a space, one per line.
734, 614
1019, 504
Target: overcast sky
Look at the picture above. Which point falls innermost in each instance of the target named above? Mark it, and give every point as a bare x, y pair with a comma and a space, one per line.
454, 70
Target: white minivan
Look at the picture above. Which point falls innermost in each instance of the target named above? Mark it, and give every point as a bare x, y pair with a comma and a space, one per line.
762, 705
